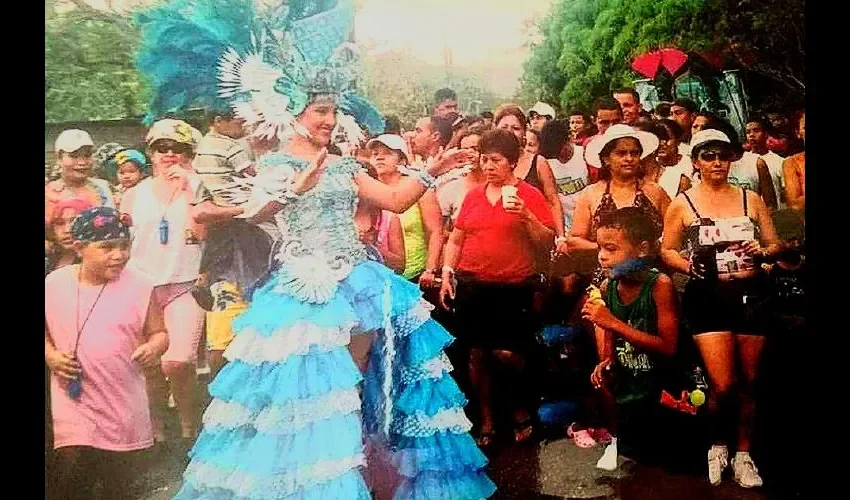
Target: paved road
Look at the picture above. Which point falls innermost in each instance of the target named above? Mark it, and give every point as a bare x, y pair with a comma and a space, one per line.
543, 471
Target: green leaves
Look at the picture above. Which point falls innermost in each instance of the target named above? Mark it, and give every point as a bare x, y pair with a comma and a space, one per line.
588, 45
89, 70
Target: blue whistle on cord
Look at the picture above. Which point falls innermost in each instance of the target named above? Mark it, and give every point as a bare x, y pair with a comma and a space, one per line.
163, 231
75, 389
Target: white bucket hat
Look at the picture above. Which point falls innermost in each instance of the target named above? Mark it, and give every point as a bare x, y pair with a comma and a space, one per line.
392, 141
543, 109
648, 142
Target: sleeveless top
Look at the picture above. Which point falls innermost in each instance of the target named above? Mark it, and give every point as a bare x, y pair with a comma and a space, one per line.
671, 178
322, 219
642, 315
112, 411
714, 236
608, 206
532, 177
415, 246
174, 262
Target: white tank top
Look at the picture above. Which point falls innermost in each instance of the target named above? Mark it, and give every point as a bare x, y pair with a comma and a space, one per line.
744, 172
672, 176
174, 262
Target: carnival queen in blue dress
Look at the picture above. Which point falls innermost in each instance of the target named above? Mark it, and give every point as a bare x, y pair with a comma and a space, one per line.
335, 350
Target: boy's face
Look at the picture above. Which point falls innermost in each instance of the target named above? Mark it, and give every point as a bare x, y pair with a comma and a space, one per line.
615, 248
76, 166
105, 259
129, 174
62, 228
231, 127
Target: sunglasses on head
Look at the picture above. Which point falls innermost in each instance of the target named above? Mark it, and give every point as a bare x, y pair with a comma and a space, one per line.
709, 156
163, 147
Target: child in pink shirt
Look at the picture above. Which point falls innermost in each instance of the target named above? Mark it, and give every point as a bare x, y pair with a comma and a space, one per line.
103, 329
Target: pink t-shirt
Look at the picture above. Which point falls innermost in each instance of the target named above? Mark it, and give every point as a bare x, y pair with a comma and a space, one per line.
112, 411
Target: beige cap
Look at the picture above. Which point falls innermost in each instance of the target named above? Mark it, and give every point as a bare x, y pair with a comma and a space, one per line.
175, 130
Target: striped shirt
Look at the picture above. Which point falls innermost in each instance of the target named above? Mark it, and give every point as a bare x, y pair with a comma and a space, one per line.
219, 162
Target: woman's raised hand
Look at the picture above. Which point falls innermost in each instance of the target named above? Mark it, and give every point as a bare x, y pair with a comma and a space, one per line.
308, 179
451, 159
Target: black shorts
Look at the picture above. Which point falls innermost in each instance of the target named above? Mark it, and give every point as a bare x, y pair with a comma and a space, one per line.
738, 306
495, 315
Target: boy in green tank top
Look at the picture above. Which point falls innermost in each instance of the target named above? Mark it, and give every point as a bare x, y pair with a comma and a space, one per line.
635, 319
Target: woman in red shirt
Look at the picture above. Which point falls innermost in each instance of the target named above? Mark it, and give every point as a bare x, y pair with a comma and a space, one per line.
489, 275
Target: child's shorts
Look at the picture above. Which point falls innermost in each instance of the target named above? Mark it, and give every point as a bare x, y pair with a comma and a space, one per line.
229, 303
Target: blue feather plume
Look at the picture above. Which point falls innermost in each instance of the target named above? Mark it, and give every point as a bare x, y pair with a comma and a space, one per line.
181, 42
363, 112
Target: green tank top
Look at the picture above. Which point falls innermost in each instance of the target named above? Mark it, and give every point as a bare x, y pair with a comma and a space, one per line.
636, 368
415, 247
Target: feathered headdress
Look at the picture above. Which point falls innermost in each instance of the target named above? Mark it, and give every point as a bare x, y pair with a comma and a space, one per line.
265, 62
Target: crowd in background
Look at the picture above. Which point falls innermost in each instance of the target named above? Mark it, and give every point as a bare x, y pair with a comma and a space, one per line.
623, 260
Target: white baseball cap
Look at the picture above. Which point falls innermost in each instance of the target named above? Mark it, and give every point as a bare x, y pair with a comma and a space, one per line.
71, 140
392, 141
648, 142
543, 109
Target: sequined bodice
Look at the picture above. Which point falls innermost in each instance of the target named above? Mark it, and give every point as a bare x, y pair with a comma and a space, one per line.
322, 219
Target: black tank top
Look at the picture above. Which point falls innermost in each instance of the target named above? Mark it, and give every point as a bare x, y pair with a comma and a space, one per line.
532, 177
607, 206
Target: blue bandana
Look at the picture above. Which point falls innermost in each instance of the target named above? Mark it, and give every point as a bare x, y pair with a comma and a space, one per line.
631, 268
100, 224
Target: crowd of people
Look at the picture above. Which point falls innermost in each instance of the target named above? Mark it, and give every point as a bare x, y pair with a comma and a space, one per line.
678, 230
332, 275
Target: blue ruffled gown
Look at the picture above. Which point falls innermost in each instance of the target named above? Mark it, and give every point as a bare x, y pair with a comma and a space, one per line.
289, 414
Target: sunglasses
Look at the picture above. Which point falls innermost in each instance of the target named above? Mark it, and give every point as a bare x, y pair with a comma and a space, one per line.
163, 147
709, 156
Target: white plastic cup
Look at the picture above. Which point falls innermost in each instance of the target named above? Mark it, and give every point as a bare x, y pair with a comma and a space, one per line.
508, 192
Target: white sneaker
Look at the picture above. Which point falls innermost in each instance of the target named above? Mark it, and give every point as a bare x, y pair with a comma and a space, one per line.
609, 457
718, 459
746, 473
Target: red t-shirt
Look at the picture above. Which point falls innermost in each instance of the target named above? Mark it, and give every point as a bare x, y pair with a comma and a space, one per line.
498, 247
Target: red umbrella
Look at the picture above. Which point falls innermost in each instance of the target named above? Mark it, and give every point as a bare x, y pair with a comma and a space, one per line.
647, 64
671, 59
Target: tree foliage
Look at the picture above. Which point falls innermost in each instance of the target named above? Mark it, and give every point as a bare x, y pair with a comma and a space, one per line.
401, 85
89, 65
586, 46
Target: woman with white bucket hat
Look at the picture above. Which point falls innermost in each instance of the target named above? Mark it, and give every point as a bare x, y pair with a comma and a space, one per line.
618, 153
